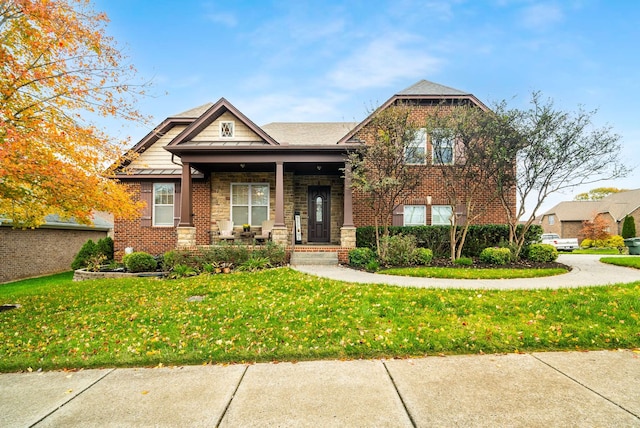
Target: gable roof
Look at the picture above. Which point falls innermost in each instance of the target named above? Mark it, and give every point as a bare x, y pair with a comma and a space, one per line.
620, 204
617, 204
210, 115
421, 90
308, 133
425, 87
575, 210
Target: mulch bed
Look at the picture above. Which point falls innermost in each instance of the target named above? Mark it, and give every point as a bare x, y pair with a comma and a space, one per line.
520, 264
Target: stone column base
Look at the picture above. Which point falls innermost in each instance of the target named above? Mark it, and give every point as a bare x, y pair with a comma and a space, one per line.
280, 236
348, 237
186, 236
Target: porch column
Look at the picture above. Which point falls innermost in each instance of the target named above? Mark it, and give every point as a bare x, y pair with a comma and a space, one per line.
186, 231
186, 210
348, 230
279, 233
279, 220
348, 196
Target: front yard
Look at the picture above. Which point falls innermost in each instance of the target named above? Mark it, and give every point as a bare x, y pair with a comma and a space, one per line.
280, 314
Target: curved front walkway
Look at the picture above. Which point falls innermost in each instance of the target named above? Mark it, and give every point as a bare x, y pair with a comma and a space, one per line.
587, 270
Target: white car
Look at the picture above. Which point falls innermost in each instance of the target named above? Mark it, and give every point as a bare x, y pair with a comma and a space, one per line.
566, 244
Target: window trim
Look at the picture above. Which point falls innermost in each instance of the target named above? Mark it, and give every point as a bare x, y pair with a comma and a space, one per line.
452, 143
424, 215
154, 215
448, 223
233, 128
249, 205
422, 134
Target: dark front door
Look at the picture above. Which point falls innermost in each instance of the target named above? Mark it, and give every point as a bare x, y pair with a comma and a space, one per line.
319, 210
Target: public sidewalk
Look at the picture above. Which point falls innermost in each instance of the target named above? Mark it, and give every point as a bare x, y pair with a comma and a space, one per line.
516, 390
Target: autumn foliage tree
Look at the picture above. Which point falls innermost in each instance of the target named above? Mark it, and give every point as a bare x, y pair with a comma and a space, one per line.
59, 68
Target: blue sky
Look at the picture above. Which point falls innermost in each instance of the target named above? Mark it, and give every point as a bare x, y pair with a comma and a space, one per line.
335, 60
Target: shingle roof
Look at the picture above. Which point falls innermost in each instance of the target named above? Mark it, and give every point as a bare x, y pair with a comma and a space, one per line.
425, 87
308, 133
575, 210
617, 204
620, 204
194, 112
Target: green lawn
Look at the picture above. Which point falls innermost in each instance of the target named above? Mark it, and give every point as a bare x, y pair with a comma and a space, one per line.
603, 251
466, 273
283, 315
633, 262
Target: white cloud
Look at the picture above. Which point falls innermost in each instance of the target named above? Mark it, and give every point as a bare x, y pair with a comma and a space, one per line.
226, 19
383, 62
292, 108
542, 16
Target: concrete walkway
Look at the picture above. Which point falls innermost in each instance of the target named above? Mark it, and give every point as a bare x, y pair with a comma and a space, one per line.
587, 270
594, 389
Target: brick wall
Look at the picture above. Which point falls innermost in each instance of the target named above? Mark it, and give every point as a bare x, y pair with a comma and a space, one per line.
35, 252
432, 184
157, 240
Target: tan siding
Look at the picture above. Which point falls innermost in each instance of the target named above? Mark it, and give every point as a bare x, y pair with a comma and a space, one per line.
156, 157
241, 131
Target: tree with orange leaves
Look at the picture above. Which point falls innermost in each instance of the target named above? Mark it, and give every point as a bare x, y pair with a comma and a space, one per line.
59, 68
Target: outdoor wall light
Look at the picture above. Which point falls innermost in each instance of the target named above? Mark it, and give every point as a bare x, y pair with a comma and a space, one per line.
242, 165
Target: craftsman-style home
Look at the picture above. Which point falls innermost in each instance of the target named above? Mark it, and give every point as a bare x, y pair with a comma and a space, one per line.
212, 174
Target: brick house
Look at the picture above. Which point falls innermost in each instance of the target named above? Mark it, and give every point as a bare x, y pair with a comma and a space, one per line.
566, 218
213, 164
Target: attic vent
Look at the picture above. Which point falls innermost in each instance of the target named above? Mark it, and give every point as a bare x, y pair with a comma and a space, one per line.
226, 129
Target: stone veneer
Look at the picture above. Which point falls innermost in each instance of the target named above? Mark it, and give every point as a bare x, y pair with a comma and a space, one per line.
295, 199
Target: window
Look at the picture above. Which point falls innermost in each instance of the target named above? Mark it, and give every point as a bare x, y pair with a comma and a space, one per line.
415, 152
227, 129
415, 215
552, 219
163, 204
441, 215
249, 203
442, 142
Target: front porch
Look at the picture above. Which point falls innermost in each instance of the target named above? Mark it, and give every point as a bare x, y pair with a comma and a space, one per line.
306, 192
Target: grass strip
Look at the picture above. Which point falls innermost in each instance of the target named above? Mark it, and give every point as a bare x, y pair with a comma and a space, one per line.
632, 262
285, 315
466, 273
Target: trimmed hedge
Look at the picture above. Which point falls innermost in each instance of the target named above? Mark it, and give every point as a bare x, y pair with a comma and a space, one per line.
495, 256
436, 238
139, 261
542, 253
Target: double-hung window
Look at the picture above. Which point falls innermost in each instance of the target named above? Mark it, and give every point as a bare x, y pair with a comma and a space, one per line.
249, 203
442, 147
441, 215
415, 215
416, 148
163, 195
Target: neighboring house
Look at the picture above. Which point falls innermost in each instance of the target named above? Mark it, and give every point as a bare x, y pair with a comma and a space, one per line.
213, 164
566, 218
48, 249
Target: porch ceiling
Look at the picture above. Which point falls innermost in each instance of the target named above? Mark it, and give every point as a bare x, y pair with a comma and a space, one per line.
298, 168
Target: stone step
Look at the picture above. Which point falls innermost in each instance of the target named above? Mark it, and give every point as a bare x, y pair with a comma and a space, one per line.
312, 258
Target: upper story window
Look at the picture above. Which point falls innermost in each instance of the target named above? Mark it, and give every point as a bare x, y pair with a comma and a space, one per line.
227, 129
415, 215
163, 204
441, 215
442, 147
552, 219
416, 149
